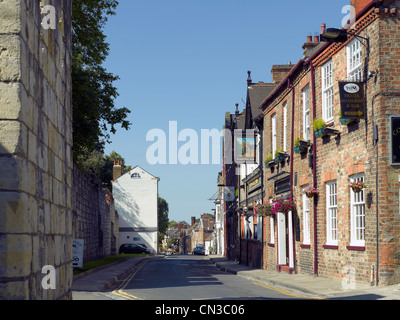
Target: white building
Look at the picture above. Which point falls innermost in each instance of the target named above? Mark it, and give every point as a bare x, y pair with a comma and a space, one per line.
136, 196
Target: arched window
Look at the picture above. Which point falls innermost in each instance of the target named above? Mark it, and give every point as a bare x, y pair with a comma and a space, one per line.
135, 176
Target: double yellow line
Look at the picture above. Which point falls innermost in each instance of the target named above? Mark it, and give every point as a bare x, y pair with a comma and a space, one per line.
119, 291
286, 292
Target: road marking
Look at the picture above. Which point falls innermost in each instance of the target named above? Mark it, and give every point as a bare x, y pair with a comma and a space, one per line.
119, 291
286, 292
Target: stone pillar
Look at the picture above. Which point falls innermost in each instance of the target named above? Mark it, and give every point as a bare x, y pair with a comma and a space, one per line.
35, 150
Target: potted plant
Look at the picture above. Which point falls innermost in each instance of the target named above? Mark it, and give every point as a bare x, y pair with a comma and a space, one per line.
322, 130
300, 146
279, 155
269, 161
310, 192
357, 186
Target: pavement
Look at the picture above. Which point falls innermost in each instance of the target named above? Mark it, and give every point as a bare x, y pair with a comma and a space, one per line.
314, 287
104, 278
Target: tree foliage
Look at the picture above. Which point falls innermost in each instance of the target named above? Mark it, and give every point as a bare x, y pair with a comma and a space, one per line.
163, 211
93, 93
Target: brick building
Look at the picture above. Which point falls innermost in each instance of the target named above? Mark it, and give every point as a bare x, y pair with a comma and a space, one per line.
339, 229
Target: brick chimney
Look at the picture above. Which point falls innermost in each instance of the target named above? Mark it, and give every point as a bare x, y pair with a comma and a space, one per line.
193, 221
117, 169
279, 72
359, 5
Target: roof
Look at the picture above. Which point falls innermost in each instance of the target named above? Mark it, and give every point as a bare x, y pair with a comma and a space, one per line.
257, 94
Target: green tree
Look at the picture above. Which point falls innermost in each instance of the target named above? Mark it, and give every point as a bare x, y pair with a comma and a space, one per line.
93, 93
101, 165
163, 221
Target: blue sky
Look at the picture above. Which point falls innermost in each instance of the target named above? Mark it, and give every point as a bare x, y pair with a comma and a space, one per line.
187, 61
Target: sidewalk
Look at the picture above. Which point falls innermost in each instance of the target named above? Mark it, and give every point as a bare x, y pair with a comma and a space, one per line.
103, 278
307, 284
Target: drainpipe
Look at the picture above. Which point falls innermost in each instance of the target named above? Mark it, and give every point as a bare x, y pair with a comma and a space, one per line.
314, 172
291, 166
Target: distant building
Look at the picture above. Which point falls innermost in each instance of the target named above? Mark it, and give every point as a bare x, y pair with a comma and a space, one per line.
135, 194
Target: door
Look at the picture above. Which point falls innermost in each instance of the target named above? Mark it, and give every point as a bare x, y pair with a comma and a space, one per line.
282, 239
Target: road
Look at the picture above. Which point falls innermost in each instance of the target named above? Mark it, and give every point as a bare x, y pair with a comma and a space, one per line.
187, 277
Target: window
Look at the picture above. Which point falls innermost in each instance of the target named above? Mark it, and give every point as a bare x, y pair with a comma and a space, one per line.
327, 91
284, 127
357, 204
135, 176
331, 214
306, 113
273, 118
354, 61
306, 220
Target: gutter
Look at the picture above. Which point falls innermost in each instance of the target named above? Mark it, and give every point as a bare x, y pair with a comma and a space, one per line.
314, 172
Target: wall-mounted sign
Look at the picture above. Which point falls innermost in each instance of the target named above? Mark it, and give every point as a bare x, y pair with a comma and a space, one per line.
395, 140
352, 100
77, 253
229, 193
245, 146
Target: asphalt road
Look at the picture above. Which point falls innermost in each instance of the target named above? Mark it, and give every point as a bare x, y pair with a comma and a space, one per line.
187, 277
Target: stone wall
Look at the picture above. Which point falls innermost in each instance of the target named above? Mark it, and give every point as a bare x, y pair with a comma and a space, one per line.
94, 218
35, 150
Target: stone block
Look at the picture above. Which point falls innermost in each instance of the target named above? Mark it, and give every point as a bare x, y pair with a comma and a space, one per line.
15, 255
13, 138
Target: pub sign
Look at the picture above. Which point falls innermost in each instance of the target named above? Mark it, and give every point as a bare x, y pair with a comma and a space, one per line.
352, 100
245, 146
395, 140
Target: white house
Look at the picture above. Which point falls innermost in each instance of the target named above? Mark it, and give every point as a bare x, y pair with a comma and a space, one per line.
136, 196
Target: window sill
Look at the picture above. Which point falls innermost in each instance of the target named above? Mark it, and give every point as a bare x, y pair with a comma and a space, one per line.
357, 248
271, 245
305, 246
330, 246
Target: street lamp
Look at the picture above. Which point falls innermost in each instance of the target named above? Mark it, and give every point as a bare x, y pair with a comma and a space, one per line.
339, 35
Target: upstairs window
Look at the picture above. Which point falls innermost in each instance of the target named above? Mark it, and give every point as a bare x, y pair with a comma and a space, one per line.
273, 119
327, 92
306, 113
354, 61
135, 176
285, 127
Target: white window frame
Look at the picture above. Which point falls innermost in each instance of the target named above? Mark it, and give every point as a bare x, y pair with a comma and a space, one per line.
327, 91
331, 213
306, 113
273, 121
306, 220
284, 127
357, 214
354, 61
272, 230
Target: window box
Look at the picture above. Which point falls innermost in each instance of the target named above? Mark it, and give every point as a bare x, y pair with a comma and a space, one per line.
280, 157
323, 132
300, 149
344, 121
270, 164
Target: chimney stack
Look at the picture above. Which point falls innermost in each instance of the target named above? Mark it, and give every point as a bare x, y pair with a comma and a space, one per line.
323, 28
193, 221
117, 169
359, 5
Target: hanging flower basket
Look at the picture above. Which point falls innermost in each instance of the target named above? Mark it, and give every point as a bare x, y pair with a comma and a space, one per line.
357, 186
283, 206
310, 192
263, 210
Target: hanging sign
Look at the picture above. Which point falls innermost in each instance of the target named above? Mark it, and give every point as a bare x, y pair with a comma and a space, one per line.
395, 140
229, 193
352, 100
245, 146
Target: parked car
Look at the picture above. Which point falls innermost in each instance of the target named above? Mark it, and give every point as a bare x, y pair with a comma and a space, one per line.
199, 250
132, 248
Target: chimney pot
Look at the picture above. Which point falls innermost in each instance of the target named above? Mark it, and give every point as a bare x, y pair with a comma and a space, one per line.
309, 38
323, 28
